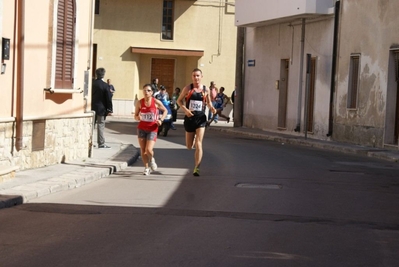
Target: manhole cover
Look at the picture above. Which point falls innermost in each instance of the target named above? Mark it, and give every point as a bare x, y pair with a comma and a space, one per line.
262, 186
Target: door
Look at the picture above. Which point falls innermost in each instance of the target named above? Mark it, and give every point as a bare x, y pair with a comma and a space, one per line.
164, 70
396, 133
391, 134
312, 81
283, 93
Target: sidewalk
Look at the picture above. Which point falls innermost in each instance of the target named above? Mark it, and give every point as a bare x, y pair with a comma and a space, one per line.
380, 153
34, 183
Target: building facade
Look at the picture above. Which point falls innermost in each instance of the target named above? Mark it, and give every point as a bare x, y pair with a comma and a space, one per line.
137, 41
45, 115
367, 103
325, 69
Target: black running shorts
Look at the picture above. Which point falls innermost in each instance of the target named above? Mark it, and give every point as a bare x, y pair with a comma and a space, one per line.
193, 123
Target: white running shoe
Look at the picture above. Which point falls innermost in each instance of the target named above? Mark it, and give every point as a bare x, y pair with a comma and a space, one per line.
146, 171
153, 164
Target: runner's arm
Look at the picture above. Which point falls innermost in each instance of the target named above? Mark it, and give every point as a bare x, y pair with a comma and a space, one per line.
180, 101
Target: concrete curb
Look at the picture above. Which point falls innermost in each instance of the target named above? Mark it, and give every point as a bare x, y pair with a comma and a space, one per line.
86, 173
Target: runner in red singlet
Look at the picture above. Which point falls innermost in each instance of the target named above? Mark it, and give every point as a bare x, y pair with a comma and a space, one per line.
147, 113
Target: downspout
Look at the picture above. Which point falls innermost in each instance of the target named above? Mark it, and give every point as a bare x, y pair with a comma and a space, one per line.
87, 80
220, 32
20, 76
333, 69
239, 79
298, 120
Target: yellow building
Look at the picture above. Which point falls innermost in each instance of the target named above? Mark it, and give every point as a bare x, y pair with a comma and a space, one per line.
138, 40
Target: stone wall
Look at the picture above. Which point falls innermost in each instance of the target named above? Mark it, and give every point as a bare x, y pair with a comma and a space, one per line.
65, 139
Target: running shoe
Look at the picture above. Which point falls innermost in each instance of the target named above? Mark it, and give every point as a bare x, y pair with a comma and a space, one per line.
153, 165
196, 171
146, 171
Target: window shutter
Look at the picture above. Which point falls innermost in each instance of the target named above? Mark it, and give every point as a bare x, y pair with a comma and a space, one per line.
65, 44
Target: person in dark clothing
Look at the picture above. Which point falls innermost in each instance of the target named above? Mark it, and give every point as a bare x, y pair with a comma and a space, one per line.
154, 86
111, 88
232, 98
101, 103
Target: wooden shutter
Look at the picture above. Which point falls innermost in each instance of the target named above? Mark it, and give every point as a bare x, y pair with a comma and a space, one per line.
65, 44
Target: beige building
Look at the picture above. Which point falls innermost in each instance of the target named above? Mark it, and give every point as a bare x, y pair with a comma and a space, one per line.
367, 99
45, 115
138, 40
348, 93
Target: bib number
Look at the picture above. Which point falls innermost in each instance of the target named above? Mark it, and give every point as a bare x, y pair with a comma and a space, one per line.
148, 117
195, 105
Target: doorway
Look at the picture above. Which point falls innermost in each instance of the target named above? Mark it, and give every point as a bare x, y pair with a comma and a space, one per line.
392, 103
312, 81
283, 93
164, 70
94, 62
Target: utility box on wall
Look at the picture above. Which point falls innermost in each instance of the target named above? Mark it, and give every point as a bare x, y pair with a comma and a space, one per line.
5, 51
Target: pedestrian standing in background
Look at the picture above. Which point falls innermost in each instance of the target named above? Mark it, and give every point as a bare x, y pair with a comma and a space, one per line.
213, 92
111, 88
101, 103
162, 95
232, 98
196, 97
175, 106
154, 86
146, 112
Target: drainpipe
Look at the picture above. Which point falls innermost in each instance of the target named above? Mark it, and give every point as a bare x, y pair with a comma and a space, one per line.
221, 14
298, 120
20, 76
333, 69
239, 80
87, 80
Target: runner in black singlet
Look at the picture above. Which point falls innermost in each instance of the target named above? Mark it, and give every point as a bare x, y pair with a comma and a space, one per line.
196, 97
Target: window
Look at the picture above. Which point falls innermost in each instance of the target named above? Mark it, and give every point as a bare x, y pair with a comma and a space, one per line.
65, 44
167, 20
353, 85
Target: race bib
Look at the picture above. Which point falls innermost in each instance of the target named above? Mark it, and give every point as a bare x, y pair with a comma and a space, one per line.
149, 117
195, 105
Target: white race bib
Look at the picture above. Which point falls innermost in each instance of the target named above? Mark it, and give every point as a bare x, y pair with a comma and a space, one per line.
148, 117
195, 105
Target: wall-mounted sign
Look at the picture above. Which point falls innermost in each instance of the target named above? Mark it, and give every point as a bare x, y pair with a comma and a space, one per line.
251, 62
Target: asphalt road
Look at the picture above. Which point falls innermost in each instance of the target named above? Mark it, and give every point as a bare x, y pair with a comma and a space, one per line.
256, 203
